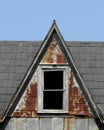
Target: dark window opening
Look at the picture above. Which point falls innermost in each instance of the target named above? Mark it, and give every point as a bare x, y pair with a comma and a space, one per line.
53, 80
53, 100
53, 90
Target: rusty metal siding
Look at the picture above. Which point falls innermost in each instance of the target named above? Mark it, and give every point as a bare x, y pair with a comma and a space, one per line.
51, 124
77, 102
28, 104
54, 55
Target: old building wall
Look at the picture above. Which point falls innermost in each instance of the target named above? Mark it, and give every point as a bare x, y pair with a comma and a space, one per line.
52, 123
28, 104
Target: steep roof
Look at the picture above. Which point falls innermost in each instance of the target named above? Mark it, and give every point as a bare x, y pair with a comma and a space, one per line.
15, 59
17, 56
89, 59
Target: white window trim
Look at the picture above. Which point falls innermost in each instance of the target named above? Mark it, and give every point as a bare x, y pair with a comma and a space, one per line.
65, 69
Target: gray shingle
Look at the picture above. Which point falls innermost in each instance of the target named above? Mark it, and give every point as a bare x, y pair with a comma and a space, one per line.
98, 92
89, 59
15, 59
101, 99
7, 83
93, 85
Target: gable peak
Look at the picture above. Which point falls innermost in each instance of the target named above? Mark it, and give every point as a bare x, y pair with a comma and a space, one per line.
54, 30
54, 26
54, 21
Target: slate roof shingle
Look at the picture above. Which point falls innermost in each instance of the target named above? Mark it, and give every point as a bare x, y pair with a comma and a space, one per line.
15, 59
89, 59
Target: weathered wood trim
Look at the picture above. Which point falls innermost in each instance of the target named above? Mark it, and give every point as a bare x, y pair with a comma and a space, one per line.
52, 123
65, 70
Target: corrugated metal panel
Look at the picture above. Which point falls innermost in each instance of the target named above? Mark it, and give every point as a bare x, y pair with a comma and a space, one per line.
51, 124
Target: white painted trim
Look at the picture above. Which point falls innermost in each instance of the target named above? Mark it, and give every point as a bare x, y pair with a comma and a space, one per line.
65, 70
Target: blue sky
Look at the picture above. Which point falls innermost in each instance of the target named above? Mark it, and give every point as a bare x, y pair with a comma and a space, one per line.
78, 20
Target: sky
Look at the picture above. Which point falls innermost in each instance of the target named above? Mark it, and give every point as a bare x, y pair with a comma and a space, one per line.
30, 20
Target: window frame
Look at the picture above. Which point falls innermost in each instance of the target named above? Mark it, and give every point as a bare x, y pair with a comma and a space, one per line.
65, 70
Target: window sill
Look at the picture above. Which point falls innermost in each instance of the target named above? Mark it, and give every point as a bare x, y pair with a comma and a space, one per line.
52, 111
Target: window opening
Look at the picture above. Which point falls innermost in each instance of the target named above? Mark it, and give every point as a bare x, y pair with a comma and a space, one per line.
53, 90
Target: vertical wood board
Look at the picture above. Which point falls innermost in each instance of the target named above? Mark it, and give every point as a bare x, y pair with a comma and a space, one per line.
45, 124
57, 123
11, 125
92, 125
32, 124
69, 124
51, 123
81, 124
21, 123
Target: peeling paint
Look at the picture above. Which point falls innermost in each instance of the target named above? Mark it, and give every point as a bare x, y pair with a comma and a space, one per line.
54, 55
27, 106
77, 102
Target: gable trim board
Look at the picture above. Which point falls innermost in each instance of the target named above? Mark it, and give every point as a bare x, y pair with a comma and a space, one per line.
34, 65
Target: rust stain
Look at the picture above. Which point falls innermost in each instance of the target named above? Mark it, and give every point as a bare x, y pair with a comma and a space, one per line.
54, 55
77, 102
29, 108
68, 124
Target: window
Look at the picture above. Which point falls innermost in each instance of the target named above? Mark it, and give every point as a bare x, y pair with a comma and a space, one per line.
53, 90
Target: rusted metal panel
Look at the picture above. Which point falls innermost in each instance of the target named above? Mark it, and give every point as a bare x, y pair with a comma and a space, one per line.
57, 123
27, 106
77, 102
45, 124
54, 55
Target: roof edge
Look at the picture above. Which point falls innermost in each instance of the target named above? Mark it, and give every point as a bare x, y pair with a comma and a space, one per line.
1, 120
101, 113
